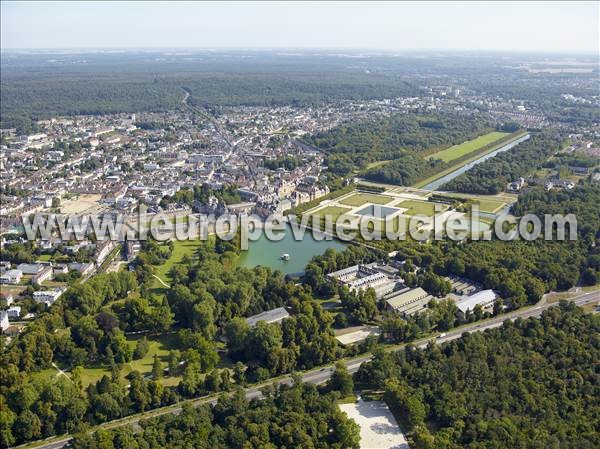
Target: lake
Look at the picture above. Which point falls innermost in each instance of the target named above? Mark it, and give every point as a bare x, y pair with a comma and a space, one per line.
268, 253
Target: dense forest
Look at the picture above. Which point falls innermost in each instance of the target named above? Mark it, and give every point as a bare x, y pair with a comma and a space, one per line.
492, 175
584, 203
399, 138
529, 384
36, 98
34, 87
289, 417
37, 86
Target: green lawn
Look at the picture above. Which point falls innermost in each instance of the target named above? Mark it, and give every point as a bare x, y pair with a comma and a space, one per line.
347, 400
181, 219
457, 151
491, 206
418, 207
160, 345
334, 211
377, 164
53, 284
181, 248
358, 199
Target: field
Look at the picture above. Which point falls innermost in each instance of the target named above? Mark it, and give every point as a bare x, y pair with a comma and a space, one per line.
418, 207
82, 203
14, 290
359, 199
181, 248
457, 151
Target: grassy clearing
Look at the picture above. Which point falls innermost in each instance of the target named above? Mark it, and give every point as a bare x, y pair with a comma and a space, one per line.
160, 345
334, 211
486, 220
417, 207
556, 297
358, 199
183, 219
12, 290
347, 400
377, 164
490, 206
181, 248
53, 284
470, 146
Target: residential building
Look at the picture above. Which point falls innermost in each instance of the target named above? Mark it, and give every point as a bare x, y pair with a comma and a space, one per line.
47, 297
11, 277
14, 311
30, 268
4, 323
45, 274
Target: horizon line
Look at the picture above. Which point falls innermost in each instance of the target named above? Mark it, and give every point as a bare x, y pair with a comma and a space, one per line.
593, 53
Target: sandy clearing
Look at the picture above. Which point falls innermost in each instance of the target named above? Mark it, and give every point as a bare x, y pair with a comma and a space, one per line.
378, 427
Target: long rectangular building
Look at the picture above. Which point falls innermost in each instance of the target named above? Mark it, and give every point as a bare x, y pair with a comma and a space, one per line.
270, 316
409, 302
484, 298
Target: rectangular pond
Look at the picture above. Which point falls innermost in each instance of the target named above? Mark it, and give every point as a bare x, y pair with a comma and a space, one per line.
377, 211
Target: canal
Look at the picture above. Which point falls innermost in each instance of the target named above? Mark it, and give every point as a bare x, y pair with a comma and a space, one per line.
435, 185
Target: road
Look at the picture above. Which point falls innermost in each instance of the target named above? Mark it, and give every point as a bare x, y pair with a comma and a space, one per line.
322, 375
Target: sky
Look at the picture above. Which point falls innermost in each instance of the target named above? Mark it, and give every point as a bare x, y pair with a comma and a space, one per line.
557, 27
